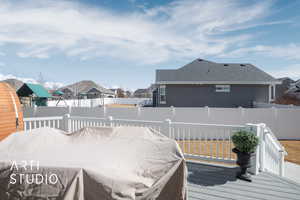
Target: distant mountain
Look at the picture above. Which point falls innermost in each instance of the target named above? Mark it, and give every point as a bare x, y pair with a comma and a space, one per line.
84, 86
14, 83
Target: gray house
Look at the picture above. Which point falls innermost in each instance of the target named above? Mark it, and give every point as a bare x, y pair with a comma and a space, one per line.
205, 83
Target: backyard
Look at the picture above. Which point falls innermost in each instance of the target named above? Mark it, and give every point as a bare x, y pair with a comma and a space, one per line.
293, 149
221, 149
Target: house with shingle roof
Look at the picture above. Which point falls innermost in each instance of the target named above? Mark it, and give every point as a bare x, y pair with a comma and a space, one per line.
284, 87
206, 83
86, 89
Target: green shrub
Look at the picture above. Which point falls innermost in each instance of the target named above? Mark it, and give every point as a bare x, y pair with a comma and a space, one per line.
245, 141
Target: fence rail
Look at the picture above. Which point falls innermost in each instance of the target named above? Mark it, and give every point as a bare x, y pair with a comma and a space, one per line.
284, 122
99, 102
39, 122
197, 141
274, 153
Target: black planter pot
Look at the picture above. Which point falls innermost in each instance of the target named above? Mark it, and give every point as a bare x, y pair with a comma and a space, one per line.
244, 161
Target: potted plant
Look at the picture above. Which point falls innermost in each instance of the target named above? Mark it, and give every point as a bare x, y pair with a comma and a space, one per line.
245, 145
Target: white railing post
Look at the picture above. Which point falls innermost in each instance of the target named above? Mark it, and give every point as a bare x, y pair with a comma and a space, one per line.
281, 164
173, 110
110, 121
262, 146
167, 128
207, 111
104, 110
138, 111
66, 123
69, 109
34, 110
258, 161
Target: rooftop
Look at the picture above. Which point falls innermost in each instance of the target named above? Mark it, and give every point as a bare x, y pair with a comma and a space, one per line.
33, 89
206, 71
210, 182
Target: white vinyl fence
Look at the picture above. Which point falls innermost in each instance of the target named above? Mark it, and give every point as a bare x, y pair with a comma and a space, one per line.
284, 122
197, 141
99, 102
273, 105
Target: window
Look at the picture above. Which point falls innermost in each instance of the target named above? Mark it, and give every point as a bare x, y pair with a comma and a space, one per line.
222, 88
162, 94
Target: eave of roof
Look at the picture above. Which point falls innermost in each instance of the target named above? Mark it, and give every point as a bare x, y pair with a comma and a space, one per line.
220, 82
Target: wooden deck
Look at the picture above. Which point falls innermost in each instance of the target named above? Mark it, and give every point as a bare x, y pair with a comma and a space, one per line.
210, 182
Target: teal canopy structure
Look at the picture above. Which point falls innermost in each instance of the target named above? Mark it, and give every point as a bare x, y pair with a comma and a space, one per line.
38, 94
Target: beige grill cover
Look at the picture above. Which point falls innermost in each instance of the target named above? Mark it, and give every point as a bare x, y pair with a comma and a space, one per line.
93, 164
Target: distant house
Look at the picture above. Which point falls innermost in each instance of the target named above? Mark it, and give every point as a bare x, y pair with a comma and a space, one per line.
291, 96
205, 83
128, 94
282, 89
93, 93
142, 93
295, 87
68, 93
85, 89
33, 94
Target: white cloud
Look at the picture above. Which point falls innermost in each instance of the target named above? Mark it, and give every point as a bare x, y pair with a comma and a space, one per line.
292, 71
2, 64
290, 51
50, 85
53, 85
10, 76
181, 29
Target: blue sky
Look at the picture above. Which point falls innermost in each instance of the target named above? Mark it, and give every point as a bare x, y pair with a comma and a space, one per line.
120, 43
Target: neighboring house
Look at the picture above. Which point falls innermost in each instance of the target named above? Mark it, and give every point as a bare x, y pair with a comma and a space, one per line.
33, 94
142, 93
283, 88
205, 83
295, 87
291, 96
68, 93
121, 93
86, 89
128, 94
93, 93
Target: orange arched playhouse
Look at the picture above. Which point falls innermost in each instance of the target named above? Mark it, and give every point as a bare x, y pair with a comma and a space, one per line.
11, 116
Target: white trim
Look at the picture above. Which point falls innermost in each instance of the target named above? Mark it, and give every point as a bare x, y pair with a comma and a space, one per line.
270, 93
221, 82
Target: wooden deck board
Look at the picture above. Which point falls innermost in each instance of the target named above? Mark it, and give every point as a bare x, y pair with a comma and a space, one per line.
219, 182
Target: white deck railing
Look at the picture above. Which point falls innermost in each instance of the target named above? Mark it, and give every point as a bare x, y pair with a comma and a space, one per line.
273, 158
197, 141
39, 122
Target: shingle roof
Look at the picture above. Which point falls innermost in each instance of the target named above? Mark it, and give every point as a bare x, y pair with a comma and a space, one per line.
36, 89
206, 71
85, 86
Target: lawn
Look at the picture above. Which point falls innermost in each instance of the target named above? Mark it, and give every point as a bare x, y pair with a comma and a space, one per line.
223, 149
293, 149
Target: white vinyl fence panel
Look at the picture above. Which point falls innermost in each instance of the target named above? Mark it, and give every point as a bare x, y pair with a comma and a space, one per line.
99, 102
284, 122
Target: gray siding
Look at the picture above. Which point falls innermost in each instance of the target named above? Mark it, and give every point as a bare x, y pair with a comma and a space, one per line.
206, 95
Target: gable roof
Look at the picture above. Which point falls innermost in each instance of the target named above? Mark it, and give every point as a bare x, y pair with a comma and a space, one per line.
206, 72
141, 91
84, 86
36, 89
